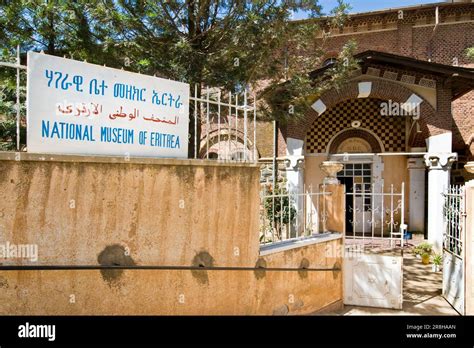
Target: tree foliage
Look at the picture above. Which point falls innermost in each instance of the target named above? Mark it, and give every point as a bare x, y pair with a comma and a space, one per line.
470, 53
290, 100
279, 209
230, 44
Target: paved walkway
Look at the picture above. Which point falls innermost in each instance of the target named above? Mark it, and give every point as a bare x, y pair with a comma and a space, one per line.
421, 293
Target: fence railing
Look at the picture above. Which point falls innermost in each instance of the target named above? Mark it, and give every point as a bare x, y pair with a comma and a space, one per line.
375, 216
18, 67
454, 213
228, 123
290, 215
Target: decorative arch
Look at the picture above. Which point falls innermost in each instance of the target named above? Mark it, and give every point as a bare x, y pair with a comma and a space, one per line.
372, 139
236, 139
388, 133
430, 122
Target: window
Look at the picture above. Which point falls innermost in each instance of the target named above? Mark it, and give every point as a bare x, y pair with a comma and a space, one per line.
213, 155
360, 175
238, 156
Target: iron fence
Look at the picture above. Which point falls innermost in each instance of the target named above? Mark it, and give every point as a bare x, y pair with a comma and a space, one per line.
18, 69
290, 215
225, 120
454, 213
374, 215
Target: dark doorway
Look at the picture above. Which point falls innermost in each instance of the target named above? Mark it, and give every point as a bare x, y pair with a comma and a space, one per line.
357, 178
348, 182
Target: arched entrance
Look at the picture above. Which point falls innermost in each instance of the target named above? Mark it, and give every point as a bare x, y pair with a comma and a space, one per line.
355, 132
354, 92
355, 141
227, 146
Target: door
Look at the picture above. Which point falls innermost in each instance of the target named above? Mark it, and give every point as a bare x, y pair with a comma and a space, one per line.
373, 280
348, 182
357, 177
453, 281
454, 214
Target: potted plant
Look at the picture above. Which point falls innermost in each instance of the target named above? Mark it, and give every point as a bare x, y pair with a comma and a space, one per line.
423, 251
437, 261
425, 258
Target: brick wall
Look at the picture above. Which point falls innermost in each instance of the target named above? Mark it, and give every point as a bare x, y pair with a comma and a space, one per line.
445, 44
413, 36
432, 122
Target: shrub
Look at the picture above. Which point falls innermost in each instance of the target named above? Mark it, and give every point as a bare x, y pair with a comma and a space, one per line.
437, 259
423, 248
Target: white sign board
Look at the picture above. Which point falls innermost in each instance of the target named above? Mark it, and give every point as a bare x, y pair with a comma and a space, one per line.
81, 108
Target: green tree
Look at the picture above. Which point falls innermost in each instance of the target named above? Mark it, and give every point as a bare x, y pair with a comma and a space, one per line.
228, 44
8, 110
470, 53
280, 211
58, 27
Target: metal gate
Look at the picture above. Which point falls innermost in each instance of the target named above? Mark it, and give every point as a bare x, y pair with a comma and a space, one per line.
373, 263
373, 280
454, 213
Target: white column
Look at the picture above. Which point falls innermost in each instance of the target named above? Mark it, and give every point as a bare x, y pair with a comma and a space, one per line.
417, 169
295, 177
438, 159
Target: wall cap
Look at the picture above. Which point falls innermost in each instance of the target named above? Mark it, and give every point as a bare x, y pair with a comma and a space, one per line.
44, 157
297, 243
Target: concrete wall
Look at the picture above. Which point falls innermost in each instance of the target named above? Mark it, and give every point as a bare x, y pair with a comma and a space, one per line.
186, 233
171, 292
164, 211
313, 175
180, 291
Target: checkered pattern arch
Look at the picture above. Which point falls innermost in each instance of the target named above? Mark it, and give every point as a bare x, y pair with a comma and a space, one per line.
390, 129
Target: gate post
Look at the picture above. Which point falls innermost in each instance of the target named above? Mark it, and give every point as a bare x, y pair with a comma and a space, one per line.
417, 171
333, 207
439, 165
469, 240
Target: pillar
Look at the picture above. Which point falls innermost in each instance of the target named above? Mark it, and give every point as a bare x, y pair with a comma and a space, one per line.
416, 169
334, 205
438, 160
295, 177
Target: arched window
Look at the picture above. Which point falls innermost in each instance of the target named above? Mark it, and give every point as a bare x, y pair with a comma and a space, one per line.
238, 156
213, 156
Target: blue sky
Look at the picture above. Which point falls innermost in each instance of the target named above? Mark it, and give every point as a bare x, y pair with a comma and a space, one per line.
368, 5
